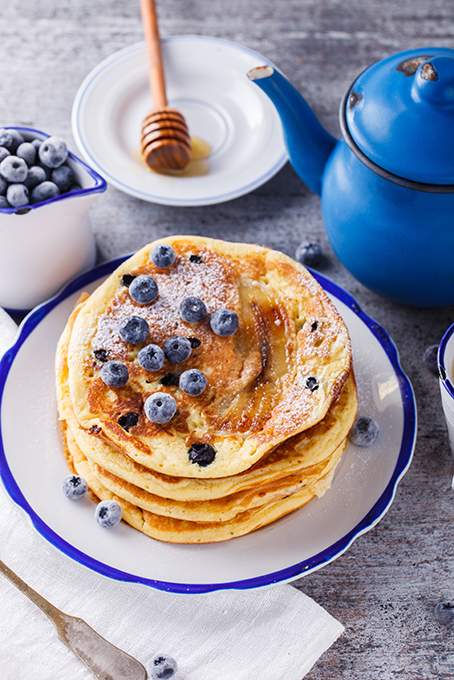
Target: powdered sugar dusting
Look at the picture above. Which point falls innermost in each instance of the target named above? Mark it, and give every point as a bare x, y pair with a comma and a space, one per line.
209, 280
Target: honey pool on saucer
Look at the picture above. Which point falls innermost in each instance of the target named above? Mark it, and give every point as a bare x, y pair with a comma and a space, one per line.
197, 166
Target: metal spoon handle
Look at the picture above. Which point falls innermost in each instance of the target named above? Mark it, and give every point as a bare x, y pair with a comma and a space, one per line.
104, 660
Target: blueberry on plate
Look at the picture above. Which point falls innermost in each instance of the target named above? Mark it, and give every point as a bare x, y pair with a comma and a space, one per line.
4, 203
35, 175
36, 143
133, 330
364, 431
63, 177
162, 667
193, 382
151, 358
44, 191
162, 255
3, 186
143, 289
160, 407
177, 349
17, 195
13, 169
27, 152
309, 253
444, 612
114, 374
192, 309
224, 322
430, 358
108, 513
74, 487
53, 152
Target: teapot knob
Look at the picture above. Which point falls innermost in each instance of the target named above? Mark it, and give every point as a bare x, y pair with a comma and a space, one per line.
435, 81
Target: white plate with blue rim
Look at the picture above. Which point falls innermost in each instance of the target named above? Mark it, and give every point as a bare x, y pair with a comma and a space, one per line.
206, 81
32, 466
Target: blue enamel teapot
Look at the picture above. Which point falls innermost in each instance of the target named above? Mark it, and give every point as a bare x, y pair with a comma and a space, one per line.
387, 187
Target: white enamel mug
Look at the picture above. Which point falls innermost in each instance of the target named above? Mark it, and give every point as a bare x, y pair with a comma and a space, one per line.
42, 246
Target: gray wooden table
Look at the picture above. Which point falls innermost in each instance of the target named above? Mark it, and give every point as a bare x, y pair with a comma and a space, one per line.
385, 586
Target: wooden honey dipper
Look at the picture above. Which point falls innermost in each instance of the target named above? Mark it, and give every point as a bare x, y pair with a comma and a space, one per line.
166, 144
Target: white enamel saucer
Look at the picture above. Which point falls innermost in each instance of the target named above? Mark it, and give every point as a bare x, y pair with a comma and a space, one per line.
32, 466
206, 81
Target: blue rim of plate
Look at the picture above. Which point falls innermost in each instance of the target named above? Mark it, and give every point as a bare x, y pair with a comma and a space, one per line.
284, 575
185, 202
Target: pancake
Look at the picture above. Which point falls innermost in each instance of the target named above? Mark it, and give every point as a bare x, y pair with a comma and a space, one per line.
300, 453
172, 530
215, 510
276, 377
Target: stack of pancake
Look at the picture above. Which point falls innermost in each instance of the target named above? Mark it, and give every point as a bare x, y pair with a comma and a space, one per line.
279, 403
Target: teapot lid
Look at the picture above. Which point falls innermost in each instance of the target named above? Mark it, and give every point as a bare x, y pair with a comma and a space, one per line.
400, 114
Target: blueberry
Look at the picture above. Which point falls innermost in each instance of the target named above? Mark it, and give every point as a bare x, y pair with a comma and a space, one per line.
151, 358
114, 374
193, 382
430, 359
36, 143
27, 152
309, 253
160, 407
202, 454
195, 342
143, 289
53, 152
162, 255
74, 487
224, 322
169, 379
11, 139
127, 279
101, 354
4, 153
133, 330
130, 419
108, 513
63, 177
3, 186
17, 195
444, 612
6, 139
177, 349
163, 667
364, 431
44, 191
312, 384
192, 310
35, 175
13, 169
4, 203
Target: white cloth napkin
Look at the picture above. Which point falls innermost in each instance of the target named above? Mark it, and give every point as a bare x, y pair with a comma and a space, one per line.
271, 634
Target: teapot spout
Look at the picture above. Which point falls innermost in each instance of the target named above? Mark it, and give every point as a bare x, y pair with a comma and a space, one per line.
308, 143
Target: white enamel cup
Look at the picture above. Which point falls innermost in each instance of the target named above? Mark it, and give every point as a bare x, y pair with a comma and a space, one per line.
446, 378
43, 246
